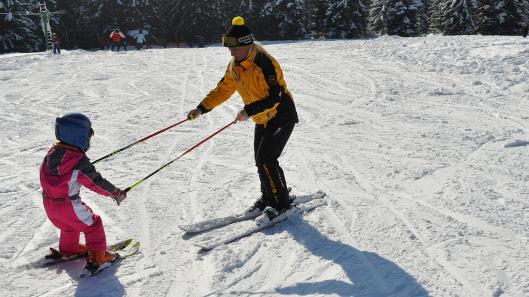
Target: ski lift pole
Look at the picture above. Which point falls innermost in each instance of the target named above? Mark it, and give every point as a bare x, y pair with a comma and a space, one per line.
181, 155
44, 14
141, 140
46, 28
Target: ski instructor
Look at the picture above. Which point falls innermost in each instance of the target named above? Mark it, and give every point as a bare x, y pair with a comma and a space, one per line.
258, 79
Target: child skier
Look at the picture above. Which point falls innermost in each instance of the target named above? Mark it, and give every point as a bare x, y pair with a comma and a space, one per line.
64, 169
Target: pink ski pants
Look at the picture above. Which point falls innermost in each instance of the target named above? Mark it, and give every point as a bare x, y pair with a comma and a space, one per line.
73, 217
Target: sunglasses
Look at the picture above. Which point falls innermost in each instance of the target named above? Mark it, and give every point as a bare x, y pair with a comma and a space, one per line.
230, 41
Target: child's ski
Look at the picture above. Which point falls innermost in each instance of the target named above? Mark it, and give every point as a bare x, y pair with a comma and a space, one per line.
128, 250
54, 257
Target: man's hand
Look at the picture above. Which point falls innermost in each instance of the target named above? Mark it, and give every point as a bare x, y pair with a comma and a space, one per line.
119, 196
242, 116
193, 114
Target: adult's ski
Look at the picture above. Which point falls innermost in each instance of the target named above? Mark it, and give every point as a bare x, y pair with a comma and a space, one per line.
295, 210
211, 224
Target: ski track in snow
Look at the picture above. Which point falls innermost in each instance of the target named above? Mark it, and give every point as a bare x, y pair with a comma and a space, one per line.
419, 143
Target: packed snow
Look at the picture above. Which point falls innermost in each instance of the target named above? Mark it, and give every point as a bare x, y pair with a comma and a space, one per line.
421, 145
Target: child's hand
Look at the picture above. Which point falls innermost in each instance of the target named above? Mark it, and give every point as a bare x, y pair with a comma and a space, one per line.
119, 196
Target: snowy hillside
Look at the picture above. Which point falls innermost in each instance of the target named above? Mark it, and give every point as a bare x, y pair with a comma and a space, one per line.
421, 145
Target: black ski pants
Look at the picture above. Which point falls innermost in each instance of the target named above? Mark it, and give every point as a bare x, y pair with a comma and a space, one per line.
269, 142
56, 48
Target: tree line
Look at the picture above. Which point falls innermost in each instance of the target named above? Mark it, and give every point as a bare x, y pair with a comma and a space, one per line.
203, 21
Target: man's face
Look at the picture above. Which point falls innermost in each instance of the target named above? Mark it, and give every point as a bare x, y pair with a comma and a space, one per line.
239, 53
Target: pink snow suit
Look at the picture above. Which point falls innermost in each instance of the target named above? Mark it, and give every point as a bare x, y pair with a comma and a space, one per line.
62, 173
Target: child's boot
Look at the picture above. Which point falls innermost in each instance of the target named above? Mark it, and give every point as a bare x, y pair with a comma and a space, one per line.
56, 254
97, 258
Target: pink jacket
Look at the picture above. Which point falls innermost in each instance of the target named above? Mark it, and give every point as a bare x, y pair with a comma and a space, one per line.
65, 169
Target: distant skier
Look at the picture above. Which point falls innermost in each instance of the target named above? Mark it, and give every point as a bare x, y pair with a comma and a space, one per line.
117, 38
258, 79
148, 41
62, 173
140, 39
124, 42
101, 41
525, 30
56, 43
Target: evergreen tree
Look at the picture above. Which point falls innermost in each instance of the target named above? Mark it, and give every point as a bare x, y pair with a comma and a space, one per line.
172, 19
315, 13
345, 19
525, 11
402, 17
134, 13
515, 13
160, 17
6, 28
501, 17
259, 16
376, 23
435, 11
459, 17
202, 22
287, 19
20, 32
75, 27
397, 17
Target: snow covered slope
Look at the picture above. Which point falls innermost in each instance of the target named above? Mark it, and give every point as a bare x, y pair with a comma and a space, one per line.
421, 145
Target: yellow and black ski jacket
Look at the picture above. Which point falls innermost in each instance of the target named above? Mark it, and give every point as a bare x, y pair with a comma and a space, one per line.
259, 81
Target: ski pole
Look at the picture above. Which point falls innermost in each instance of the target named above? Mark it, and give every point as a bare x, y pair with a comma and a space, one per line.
181, 155
141, 140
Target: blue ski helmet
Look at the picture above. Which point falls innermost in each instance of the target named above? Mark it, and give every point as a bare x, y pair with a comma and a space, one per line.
75, 129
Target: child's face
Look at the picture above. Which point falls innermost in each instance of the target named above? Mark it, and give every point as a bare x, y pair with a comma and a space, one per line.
91, 135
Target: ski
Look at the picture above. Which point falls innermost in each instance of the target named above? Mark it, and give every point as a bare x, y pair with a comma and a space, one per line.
215, 223
211, 224
54, 257
296, 210
128, 250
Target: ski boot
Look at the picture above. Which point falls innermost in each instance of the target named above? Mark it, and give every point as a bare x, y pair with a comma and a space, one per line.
258, 206
269, 214
58, 255
98, 260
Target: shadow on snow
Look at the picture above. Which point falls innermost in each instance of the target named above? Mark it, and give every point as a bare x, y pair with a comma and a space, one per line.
369, 274
104, 284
